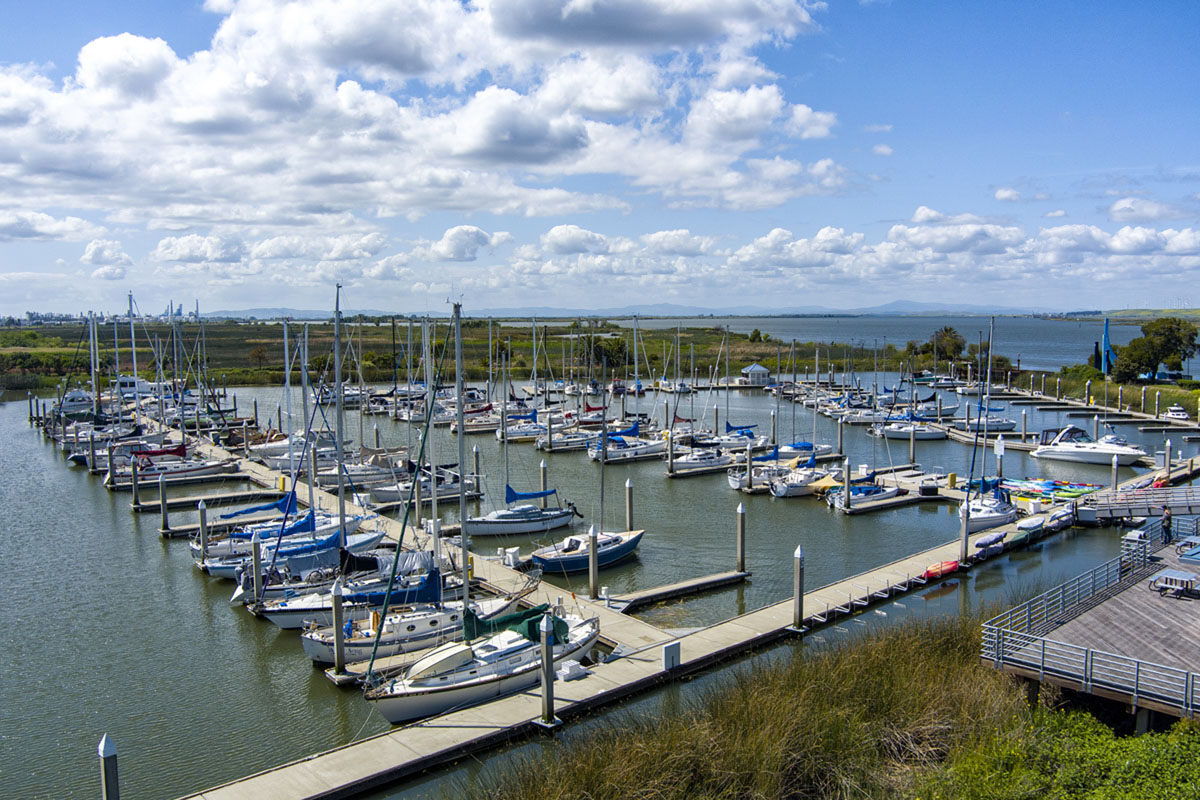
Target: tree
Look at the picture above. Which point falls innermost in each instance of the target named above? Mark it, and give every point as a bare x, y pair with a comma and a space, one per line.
756, 335
1166, 340
258, 356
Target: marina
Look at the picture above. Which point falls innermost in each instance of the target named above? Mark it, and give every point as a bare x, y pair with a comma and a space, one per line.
636, 643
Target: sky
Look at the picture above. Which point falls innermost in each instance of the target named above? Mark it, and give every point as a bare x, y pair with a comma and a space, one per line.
598, 153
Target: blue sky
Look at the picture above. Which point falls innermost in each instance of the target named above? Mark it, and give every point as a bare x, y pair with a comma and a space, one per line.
598, 153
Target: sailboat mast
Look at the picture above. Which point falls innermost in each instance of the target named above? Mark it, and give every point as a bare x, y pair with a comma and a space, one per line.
337, 388
462, 459
287, 400
430, 396
137, 395
310, 438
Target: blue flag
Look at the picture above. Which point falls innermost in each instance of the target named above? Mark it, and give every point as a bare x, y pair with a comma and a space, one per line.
1107, 355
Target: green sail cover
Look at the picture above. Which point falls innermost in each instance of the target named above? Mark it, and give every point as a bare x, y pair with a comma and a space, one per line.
523, 622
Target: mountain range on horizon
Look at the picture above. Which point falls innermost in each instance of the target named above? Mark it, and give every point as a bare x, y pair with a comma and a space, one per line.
896, 308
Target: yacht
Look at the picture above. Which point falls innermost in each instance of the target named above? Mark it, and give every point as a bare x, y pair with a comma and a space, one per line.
1073, 444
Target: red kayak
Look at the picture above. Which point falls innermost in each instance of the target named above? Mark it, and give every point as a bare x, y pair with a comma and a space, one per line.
940, 570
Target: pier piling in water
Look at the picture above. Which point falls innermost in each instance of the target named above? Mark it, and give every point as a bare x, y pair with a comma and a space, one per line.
475, 462
629, 504
91, 463
798, 590
109, 786
839, 431
164, 518
256, 565
1115, 485
544, 480
339, 645
593, 564
135, 483
546, 628
375, 429
741, 537
256, 414
203, 509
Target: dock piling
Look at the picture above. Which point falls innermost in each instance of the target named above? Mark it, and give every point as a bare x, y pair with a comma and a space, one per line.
628, 504
245, 441
1087, 392
845, 481
548, 720
545, 481
774, 441
999, 450
29, 405
1058, 388
378, 440
750, 467
203, 509
839, 432
670, 455
912, 442
256, 566
1095, 426
593, 565
134, 481
1114, 474
417, 497
1024, 424
741, 537
339, 645
1120, 398
278, 419
1143, 406
109, 787
1157, 397
798, 591
1043, 384
164, 516
256, 414
475, 461
716, 419
109, 471
91, 451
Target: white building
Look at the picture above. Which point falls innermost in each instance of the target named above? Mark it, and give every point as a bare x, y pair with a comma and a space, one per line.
756, 375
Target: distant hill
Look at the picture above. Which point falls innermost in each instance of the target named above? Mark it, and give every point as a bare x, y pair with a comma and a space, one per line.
894, 308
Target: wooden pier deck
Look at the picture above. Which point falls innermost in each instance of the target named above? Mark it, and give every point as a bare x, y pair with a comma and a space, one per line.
627, 603
210, 500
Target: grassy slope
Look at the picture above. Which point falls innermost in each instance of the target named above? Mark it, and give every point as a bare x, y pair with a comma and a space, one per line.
907, 711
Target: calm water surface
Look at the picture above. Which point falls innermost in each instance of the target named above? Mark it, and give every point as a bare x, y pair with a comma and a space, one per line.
109, 628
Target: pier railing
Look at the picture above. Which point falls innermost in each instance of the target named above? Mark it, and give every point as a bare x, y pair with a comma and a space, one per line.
1016, 639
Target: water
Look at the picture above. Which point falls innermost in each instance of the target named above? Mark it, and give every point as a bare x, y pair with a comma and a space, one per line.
1040, 344
110, 629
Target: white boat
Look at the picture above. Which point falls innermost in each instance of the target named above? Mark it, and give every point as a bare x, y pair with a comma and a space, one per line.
699, 457
458, 675
905, 430
404, 630
358, 601
987, 511
520, 519
150, 470
804, 449
798, 482
228, 568
860, 494
762, 474
621, 448
399, 491
1176, 411
310, 528
298, 443
75, 401
1074, 444
992, 424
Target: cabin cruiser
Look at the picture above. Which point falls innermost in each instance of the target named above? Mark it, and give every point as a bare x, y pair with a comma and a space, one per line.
1073, 444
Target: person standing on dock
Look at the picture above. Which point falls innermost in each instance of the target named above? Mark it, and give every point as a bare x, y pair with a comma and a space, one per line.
1166, 524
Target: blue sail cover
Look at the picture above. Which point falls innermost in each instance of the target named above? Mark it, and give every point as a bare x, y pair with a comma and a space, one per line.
771, 456
285, 505
427, 590
511, 496
531, 416
731, 428
332, 540
632, 430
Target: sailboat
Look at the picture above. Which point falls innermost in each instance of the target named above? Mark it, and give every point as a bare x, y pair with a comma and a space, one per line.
991, 506
523, 518
462, 674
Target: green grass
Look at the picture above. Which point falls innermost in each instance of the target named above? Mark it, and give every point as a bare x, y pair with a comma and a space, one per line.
908, 711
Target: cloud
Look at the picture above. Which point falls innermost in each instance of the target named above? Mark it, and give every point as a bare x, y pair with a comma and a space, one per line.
34, 225
462, 243
131, 67
196, 249
877, 128
811, 124
105, 252
109, 272
1141, 209
565, 239
733, 115
882, 150
1008, 195
677, 242
1056, 213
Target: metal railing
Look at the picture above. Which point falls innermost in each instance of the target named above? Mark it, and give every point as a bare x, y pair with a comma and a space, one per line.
1179, 498
1015, 638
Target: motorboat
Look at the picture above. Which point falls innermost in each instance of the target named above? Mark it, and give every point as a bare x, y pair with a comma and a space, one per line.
1074, 444
1176, 411
990, 423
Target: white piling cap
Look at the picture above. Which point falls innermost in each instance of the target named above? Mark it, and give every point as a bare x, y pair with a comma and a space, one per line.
741, 509
799, 552
629, 483
254, 539
543, 464
337, 588
107, 748
200, 506
546, 626
591, 530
